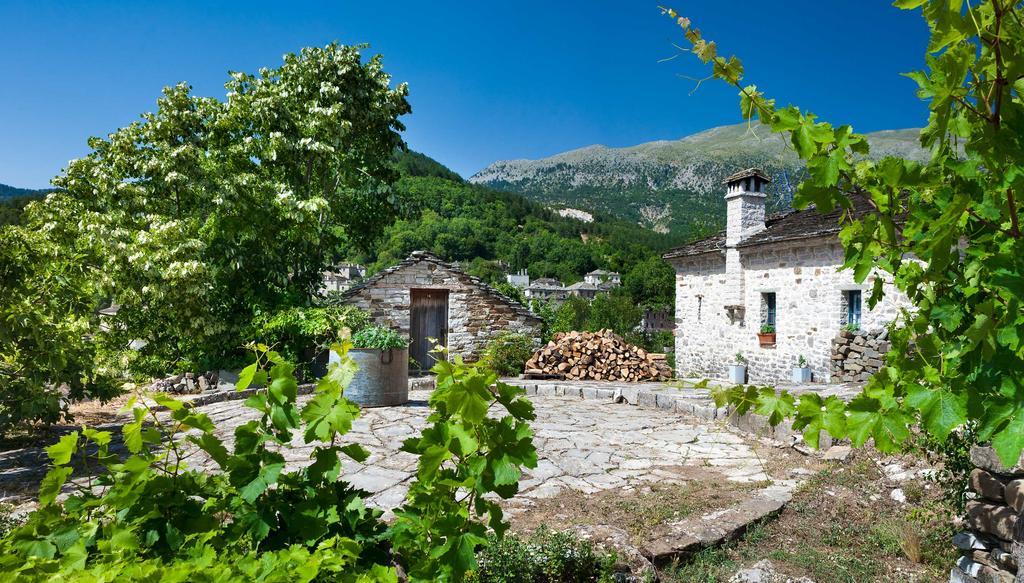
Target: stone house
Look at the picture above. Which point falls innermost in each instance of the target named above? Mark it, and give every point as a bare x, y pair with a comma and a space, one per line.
547, 289
781, 272
341, 277
600, 277
424, 297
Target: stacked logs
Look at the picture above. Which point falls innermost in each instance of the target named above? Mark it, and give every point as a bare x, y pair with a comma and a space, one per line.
599, 356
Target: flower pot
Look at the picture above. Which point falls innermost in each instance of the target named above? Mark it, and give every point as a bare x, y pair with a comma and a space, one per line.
802, 374
738, 374
382, 379
766, 339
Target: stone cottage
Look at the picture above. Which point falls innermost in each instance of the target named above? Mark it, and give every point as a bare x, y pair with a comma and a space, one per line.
423, 297
781, 272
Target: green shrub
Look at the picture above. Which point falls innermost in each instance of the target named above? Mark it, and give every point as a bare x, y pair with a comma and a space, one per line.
148, 516
507, 354
378, 337
543, 557
298, 333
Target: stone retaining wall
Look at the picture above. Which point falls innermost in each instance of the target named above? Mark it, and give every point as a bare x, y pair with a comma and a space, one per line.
858, 355
986, 547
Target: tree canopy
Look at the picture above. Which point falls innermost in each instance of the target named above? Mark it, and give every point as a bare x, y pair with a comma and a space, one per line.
208, 211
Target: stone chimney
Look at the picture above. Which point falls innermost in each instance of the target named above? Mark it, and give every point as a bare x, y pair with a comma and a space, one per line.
744, 199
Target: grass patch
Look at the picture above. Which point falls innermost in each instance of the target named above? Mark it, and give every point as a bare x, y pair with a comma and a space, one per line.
842, 526
640, 512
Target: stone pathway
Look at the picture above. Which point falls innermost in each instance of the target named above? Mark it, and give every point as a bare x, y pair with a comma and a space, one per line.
582, 445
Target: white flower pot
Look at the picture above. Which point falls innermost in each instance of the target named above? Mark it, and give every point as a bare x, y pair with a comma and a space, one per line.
738, 374
802, 374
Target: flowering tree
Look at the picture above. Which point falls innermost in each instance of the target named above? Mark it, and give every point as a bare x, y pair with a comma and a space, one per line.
206, 211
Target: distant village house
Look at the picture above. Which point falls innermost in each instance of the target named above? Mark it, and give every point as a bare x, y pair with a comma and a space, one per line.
342, 277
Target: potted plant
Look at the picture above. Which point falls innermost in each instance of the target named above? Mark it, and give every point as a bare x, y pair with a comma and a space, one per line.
801, 372
767, 335
738, 371
382, 380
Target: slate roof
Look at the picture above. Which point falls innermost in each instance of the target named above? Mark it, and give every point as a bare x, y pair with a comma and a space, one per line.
418, 256
546, 282
789, 226
746, 174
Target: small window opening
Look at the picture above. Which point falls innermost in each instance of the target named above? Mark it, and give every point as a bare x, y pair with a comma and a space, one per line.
853, 308
768, 309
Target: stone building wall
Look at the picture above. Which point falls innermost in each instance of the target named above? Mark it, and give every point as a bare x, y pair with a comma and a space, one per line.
476, 312
808, 289
858, 355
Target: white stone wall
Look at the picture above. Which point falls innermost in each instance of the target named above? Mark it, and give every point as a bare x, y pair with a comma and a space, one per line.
475, 316
804, 276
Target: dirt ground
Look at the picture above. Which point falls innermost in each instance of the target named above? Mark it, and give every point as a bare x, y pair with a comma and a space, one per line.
844, 525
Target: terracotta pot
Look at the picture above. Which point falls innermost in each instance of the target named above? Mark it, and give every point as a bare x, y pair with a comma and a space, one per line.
766, 339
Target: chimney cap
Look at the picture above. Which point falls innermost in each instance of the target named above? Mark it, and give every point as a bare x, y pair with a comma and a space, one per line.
746, 174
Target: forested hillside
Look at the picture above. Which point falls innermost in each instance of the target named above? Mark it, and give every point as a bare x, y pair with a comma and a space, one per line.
670, 185
13, 200
487, 230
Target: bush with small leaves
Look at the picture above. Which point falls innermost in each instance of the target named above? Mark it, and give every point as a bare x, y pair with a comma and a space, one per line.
507, 354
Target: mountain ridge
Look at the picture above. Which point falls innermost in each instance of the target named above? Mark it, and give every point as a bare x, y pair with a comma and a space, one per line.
669, 185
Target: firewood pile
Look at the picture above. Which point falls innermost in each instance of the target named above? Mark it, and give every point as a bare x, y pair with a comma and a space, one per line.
598, 356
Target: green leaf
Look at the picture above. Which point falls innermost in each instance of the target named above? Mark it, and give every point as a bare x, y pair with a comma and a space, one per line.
505, 472
60, 453
1009, 442
51, 484
267, 476
245, 377
356, 452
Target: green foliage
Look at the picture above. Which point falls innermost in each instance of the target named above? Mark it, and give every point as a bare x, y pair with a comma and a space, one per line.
615, 311
299, 333
767, 329
147, 514
801, 362
507, 354
471, 449
47, 309
378, 337
409, 163
851, 327
946, 232
209, 211
11, 209
740, 359
544, 556
651, 283
478, 227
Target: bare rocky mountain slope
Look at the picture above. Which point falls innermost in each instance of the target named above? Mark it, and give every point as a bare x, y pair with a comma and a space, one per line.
670, 185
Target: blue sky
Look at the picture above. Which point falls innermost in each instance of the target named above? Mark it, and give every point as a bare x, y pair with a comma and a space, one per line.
487, 81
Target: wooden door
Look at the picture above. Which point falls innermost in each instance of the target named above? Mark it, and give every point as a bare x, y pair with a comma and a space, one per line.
428, 319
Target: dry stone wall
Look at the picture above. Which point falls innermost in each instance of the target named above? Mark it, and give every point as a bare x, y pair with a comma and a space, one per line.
987, 551
858, 355
477, 313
